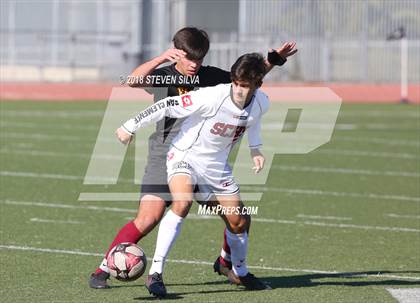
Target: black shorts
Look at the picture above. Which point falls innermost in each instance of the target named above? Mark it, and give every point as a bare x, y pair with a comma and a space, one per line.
155, 182
160, 190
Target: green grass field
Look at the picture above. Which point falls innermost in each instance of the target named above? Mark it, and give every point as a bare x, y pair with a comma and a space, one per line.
345, 219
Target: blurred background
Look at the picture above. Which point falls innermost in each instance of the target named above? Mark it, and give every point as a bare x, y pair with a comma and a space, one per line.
338, 41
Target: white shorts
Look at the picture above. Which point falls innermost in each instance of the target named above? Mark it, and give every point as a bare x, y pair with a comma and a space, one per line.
211, 179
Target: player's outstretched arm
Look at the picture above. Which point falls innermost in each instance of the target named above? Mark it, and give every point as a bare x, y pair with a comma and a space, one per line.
258, 159
279, 56
173, 107
145, 69
123, 136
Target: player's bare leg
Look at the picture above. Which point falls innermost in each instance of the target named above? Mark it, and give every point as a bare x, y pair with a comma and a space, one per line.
237, 238
150, 212
169, 229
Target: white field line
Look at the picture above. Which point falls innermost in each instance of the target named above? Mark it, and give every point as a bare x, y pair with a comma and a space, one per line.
197, 217
364, 153
270, 133
42, 153
41, 136
99, 112
38, 175
384, 141
31, 125
197, 262
386, 126
336, 152
276, 167
332, 193
368, 113
405, 295
69, 206
54, 176
19, 145
323, 224
381, 113
269, 126
300, 191
39, 220
315, 169
53, 113
366, 227
340, 170
272, 123
356, 153
324, 217
403, 216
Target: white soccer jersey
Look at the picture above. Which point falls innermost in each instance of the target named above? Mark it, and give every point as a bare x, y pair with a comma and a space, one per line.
213, 126
214, 122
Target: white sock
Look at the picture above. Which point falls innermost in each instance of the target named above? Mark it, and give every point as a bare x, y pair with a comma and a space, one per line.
169, 229
103, 266
225, 255
238, 251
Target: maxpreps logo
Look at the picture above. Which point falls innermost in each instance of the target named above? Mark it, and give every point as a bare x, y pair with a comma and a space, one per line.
186, 100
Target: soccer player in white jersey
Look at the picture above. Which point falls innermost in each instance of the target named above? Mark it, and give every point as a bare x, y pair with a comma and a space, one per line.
217, 118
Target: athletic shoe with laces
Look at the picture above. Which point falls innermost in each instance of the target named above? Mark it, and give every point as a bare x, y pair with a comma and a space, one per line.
98, 280
220, 268
250, 281
155, 285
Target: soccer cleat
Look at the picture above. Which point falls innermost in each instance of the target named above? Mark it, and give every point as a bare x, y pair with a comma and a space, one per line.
98, 280
155, 285
220, 268
250, 281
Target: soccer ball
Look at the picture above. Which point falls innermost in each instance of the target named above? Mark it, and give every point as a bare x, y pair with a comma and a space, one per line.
126, 262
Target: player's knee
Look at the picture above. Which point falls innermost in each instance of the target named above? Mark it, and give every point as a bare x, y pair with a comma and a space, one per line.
239, 226
181, 208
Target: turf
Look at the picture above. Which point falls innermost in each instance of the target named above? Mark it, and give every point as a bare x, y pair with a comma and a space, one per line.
345, 218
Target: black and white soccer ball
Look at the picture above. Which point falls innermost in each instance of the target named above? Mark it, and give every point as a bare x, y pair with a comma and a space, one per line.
126, 262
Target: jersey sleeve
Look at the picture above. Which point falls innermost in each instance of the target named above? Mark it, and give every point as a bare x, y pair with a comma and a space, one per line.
254, 135
254, 131
202, 102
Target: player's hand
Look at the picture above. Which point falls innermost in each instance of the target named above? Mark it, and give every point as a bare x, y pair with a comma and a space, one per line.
258, 159
288, 49
173, 55
124, 137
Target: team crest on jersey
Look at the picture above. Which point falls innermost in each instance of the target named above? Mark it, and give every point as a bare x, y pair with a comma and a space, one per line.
182, 165
170, 156
186, 100
183, 90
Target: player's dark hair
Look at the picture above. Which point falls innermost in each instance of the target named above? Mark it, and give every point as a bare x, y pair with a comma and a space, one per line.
250, 68
195, 42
